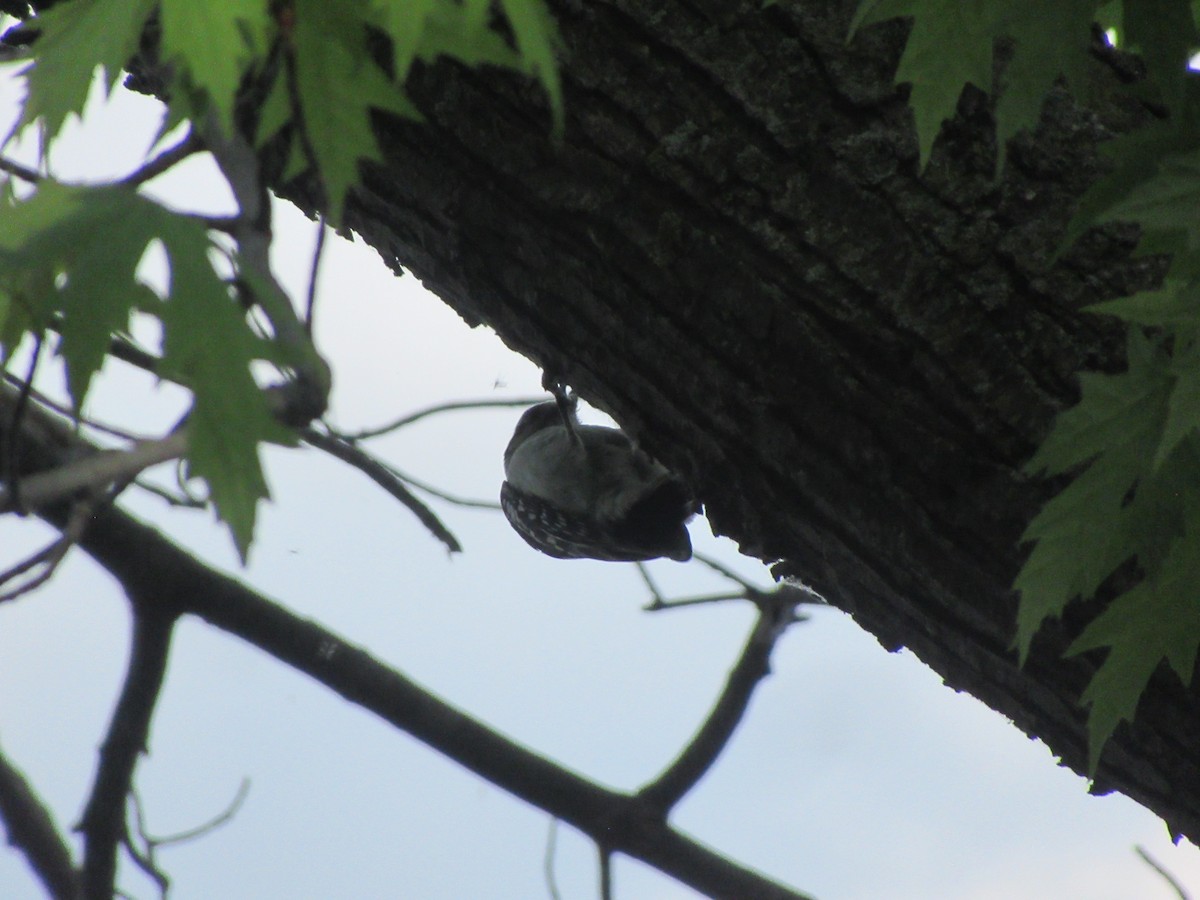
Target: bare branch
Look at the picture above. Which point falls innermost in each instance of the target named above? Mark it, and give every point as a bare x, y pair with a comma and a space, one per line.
45, 555
657, 601
657, 604
53, 554
310, 305
251, 230
440, 494
143, 858
606, 885
103, 825
31, 830
158, 576
721, 569
749, 591
66, 412
188, 145
126, 350
181, 500
227, 224
777, 609
367, 434
143, 855
102, 468
1167, 876
142, 560
385, 478
548, 860
793, 592
14, 425
20, 171
698, 757
224, 817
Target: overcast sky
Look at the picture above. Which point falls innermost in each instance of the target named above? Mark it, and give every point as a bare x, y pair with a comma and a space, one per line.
856, 776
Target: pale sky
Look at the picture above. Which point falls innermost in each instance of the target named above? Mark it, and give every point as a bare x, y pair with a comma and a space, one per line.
857, 775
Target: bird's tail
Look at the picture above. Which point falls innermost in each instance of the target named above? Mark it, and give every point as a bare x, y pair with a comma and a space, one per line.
658, 520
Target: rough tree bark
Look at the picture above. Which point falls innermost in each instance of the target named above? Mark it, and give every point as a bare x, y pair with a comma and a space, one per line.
733, 252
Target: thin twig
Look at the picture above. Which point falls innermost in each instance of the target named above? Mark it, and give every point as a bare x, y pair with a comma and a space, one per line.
181, 500
53, 554
143, 857
794, 592
225, 224
224, 817
440, 494
66, 412
1158, 867
659, 605
721, 569
368, 433
606, 881
14, 429
657, 601
30, 562
189, 144
310, 304
549, 858
16, 169
382, 476
749, 591
31, 830
126, 350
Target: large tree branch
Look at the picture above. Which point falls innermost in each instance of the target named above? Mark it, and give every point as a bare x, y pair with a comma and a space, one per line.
850, 359
164, 582
142, 559
104, 819
32, 830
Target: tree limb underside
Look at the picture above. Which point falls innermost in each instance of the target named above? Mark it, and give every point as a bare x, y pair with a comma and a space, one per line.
732, 251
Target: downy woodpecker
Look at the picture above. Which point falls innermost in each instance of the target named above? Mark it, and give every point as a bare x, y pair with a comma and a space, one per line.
577, 491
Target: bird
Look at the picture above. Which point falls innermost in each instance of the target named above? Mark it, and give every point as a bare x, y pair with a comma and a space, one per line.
576, 491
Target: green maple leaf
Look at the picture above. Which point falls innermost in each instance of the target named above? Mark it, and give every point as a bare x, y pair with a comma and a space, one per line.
428, 29
1165, 202
1137, 183
951, 44
1163, 33
208, 346
1053, 40
938, 76
82, 247
214, 42
1138, 498
1183, 406
22, 311
1157, 620
76, 38
406, 24
1175, 305
536, 39
1079, 536
338, 84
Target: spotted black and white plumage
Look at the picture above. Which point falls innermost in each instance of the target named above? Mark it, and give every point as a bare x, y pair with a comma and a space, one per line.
577, 491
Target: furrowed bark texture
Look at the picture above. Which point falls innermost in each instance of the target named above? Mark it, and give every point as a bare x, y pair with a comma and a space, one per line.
732, 251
